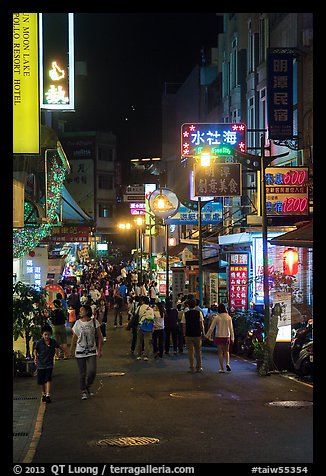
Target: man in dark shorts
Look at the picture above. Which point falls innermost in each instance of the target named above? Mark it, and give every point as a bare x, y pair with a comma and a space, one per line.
44, 352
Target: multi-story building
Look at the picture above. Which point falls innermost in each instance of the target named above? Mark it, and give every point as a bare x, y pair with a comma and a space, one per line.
95, 176
234, 86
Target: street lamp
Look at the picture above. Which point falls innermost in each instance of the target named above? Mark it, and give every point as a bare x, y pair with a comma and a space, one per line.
164, 203
139, 222
205, 161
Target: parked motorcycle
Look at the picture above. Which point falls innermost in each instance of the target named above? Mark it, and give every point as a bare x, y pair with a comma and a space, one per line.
302, 350
255, 333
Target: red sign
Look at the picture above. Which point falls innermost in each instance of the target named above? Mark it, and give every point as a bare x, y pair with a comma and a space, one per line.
238, 282
52, 290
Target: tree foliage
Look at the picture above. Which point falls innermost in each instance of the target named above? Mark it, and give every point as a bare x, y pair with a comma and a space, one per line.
29, 306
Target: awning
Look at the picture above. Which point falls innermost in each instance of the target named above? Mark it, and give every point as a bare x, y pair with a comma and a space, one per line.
71, 211
301, 237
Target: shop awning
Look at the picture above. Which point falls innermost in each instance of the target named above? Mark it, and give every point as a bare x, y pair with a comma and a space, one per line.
301, 237
71, 211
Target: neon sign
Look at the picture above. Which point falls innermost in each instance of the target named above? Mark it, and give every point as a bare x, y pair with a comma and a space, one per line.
218, 139
56, 31
287, 191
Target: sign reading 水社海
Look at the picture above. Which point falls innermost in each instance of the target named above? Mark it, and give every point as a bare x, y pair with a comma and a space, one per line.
218, 180
26, 110
217, 139
287, 191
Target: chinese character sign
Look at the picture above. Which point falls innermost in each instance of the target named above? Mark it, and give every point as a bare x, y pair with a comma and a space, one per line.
211, 214
57, 61
238, 281
280, 95
218, 139
218, 180
287, 191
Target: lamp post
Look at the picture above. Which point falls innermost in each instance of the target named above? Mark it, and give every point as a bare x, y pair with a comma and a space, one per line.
167, 281
205, 161
139, 222
164, 203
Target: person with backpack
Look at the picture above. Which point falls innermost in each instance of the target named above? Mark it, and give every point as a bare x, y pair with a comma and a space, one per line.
193, 330
145, 327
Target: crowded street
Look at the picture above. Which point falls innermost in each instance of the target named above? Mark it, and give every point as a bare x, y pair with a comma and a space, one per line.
159, 399
162, 267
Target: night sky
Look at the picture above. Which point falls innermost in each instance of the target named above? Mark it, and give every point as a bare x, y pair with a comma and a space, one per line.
129, 58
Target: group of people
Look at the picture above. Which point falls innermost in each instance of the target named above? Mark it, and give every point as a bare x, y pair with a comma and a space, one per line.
154, 326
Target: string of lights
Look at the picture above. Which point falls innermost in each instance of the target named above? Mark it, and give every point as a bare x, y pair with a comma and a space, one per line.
25, 239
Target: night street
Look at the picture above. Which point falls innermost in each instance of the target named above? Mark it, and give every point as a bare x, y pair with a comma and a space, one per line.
162, 230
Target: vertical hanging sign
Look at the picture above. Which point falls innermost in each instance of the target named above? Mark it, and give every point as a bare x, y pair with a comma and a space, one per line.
26, 108
280, 94
57, 61
238, 281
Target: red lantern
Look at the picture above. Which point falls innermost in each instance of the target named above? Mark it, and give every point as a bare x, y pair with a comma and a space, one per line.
290, 262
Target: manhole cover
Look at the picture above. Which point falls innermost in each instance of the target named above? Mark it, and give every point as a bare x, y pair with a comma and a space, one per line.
25, 398
291, 403
111, 374
127, 441
194, 395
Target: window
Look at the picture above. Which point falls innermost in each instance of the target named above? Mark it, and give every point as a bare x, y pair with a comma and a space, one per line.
251, 121
105, 153
234, 64
104, 211
105, 182
263, 39
251, 50
225, 79
262, 109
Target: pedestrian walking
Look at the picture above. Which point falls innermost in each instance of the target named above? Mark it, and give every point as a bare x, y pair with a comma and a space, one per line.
146, 315
193, 330
224, 335
102, 312
171, 328
58, 322
44, 352
133, 323
181, 339
117, 307
158, 330
71, 315
74, 300
87, 340
153, 293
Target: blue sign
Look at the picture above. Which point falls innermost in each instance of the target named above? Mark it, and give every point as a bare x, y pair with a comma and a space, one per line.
211, 214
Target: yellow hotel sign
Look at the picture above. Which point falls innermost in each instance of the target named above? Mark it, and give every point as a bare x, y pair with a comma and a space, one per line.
26, 110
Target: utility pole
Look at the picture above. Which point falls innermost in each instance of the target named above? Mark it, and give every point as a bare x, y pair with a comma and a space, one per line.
200, 250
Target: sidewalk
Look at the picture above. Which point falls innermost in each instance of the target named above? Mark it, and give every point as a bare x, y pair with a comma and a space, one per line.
160, 399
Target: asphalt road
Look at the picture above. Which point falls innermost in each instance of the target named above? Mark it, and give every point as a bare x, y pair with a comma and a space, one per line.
236, 417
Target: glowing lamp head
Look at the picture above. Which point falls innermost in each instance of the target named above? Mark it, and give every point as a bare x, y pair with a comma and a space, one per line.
205, 159
290, 262
139, 221
162, 203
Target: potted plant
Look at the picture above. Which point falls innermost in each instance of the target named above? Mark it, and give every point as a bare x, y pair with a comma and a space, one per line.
29, 306
259, 352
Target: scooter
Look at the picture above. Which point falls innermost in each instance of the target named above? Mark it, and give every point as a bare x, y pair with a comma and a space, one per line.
255, 333
302, 351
